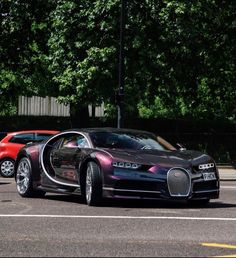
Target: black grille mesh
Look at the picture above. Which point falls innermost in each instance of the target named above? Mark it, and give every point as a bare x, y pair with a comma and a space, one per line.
179, 182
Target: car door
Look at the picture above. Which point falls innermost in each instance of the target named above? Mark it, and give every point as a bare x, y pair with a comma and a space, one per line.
66, 159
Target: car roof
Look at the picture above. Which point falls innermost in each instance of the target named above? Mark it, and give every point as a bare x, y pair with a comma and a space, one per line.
108, 129
33, 131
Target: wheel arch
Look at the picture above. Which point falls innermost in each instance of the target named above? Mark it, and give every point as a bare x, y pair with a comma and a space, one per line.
7, 157
21, 155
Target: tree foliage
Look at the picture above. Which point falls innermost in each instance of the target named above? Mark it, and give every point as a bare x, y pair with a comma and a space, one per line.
83, 50
179, 55
196, 48
23, 49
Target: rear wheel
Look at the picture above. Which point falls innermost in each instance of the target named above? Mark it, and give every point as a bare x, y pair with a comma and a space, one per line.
93, 184
24, 180
7, 167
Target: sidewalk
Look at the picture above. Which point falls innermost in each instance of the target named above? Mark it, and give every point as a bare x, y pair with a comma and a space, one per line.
227, 173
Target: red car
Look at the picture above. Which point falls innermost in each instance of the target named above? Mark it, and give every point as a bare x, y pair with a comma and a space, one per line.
11, 143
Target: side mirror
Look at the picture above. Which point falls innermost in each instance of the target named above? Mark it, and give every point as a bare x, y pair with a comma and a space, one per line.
181, 147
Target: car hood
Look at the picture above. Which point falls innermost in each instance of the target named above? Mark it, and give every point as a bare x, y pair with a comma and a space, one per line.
174, 158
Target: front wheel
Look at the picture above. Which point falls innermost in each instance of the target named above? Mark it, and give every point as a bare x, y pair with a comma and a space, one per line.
24, 180
7, 167
93, 184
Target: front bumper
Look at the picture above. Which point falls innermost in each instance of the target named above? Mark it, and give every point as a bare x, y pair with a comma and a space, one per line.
135, 184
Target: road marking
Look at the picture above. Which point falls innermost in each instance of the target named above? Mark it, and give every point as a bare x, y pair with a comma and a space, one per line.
219, 245
113, 217
228, 187
225, 246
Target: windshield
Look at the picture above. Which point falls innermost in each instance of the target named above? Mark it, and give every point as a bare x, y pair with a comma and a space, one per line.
127, 140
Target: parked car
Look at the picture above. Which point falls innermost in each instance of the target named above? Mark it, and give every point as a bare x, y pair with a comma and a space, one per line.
115, 163
11, 143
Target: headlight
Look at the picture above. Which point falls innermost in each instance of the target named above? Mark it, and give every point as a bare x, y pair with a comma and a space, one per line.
206, 166
120, 164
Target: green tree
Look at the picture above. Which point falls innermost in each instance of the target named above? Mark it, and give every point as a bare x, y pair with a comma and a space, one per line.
179, 55
83, 52
194, 56
23, 49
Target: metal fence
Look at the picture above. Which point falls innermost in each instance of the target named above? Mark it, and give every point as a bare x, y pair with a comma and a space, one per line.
38, 106
97, 111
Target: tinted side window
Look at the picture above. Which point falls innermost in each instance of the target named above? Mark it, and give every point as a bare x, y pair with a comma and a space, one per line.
82, 142
42, 136
75, 141
22, 138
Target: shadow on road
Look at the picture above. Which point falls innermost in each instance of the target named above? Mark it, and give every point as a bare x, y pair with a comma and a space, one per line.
5, 183
121, 203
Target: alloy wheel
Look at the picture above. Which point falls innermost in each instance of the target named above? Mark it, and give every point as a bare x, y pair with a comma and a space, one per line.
88, 184
23, 176
7, 168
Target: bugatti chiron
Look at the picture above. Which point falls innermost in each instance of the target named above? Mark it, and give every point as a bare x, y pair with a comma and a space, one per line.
102, 163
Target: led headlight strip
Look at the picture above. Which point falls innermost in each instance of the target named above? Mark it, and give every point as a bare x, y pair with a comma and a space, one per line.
206, 166
120, 164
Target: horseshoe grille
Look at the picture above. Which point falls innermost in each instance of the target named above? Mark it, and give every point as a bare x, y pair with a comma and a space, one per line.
179, 182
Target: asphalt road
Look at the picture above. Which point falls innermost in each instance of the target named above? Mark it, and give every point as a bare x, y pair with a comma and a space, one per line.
59, 225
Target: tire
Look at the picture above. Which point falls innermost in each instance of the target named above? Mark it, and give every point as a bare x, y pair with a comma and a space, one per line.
93, 184
24, 180
7, 167
200, 202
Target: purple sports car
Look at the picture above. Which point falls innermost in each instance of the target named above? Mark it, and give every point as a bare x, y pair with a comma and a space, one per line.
115, 163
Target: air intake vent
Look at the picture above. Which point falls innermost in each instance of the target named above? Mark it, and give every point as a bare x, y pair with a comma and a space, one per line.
179, 182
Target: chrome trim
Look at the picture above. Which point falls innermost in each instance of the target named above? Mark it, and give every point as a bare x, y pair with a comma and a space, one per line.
190, 186
128, 190
41, 157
